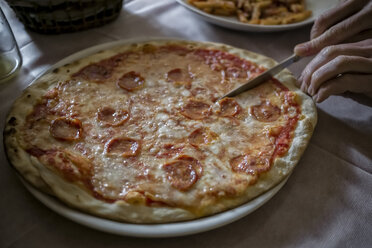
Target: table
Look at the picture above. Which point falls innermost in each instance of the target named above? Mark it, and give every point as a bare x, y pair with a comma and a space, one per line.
327, 201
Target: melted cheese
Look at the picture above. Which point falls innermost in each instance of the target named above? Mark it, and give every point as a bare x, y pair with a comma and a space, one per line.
155, 121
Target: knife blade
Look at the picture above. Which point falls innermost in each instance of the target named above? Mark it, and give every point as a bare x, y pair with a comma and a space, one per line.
263, 76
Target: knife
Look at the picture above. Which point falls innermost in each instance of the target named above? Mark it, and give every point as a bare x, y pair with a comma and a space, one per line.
263, 76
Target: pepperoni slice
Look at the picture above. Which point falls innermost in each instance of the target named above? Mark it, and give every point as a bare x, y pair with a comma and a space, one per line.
125, 147
72, 166
198, 91
183, 173
111, 117
83, 165
59, 162
131, 81
265, 112
201, 136
36, 152
235, 72
195, 163
169, 150
95, 72
228, 107
66, 129
195, 110
179, 77
250, 164
39, 112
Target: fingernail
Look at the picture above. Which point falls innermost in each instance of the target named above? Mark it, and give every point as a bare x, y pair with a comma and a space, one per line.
303, 49
303, 87
319, 99
301, 45
311, 91
298, 82
300, 49
315, 98
301, 77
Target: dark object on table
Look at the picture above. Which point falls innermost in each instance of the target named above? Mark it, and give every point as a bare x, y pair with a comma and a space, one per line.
60, 16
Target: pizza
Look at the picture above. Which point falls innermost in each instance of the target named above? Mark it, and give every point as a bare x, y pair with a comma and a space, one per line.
139, 132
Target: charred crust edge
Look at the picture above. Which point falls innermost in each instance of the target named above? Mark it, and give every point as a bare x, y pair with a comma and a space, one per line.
12, 121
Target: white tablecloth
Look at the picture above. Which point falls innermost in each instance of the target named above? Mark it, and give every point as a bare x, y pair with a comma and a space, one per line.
327, 201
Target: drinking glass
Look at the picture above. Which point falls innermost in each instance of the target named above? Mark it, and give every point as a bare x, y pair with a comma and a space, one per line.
10, 57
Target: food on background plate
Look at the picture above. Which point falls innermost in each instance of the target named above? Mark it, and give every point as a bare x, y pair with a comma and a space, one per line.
263, 12
138, 133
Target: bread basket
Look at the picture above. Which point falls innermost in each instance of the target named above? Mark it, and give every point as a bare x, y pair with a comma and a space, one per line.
60, 16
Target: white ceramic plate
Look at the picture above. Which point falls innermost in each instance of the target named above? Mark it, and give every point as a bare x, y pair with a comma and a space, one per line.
144, 230
154, 230
316, 6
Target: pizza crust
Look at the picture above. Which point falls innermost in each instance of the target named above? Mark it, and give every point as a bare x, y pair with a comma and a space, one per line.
76, 196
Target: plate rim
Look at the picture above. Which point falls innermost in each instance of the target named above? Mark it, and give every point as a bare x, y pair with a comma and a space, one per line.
163, 230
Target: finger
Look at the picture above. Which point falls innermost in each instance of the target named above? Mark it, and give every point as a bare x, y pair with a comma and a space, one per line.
334, 15
364, 35
340, 65
298, 81
356, 83
338, 33
305, 80
362, 49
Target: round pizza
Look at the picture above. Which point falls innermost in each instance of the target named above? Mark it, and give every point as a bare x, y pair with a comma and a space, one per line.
139, 132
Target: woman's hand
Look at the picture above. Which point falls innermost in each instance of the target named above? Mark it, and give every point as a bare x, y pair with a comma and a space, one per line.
343, 67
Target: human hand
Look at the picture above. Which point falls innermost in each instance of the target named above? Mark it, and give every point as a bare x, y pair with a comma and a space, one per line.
343, 67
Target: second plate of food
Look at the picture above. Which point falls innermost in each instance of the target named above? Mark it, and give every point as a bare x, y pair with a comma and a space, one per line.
230, 18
